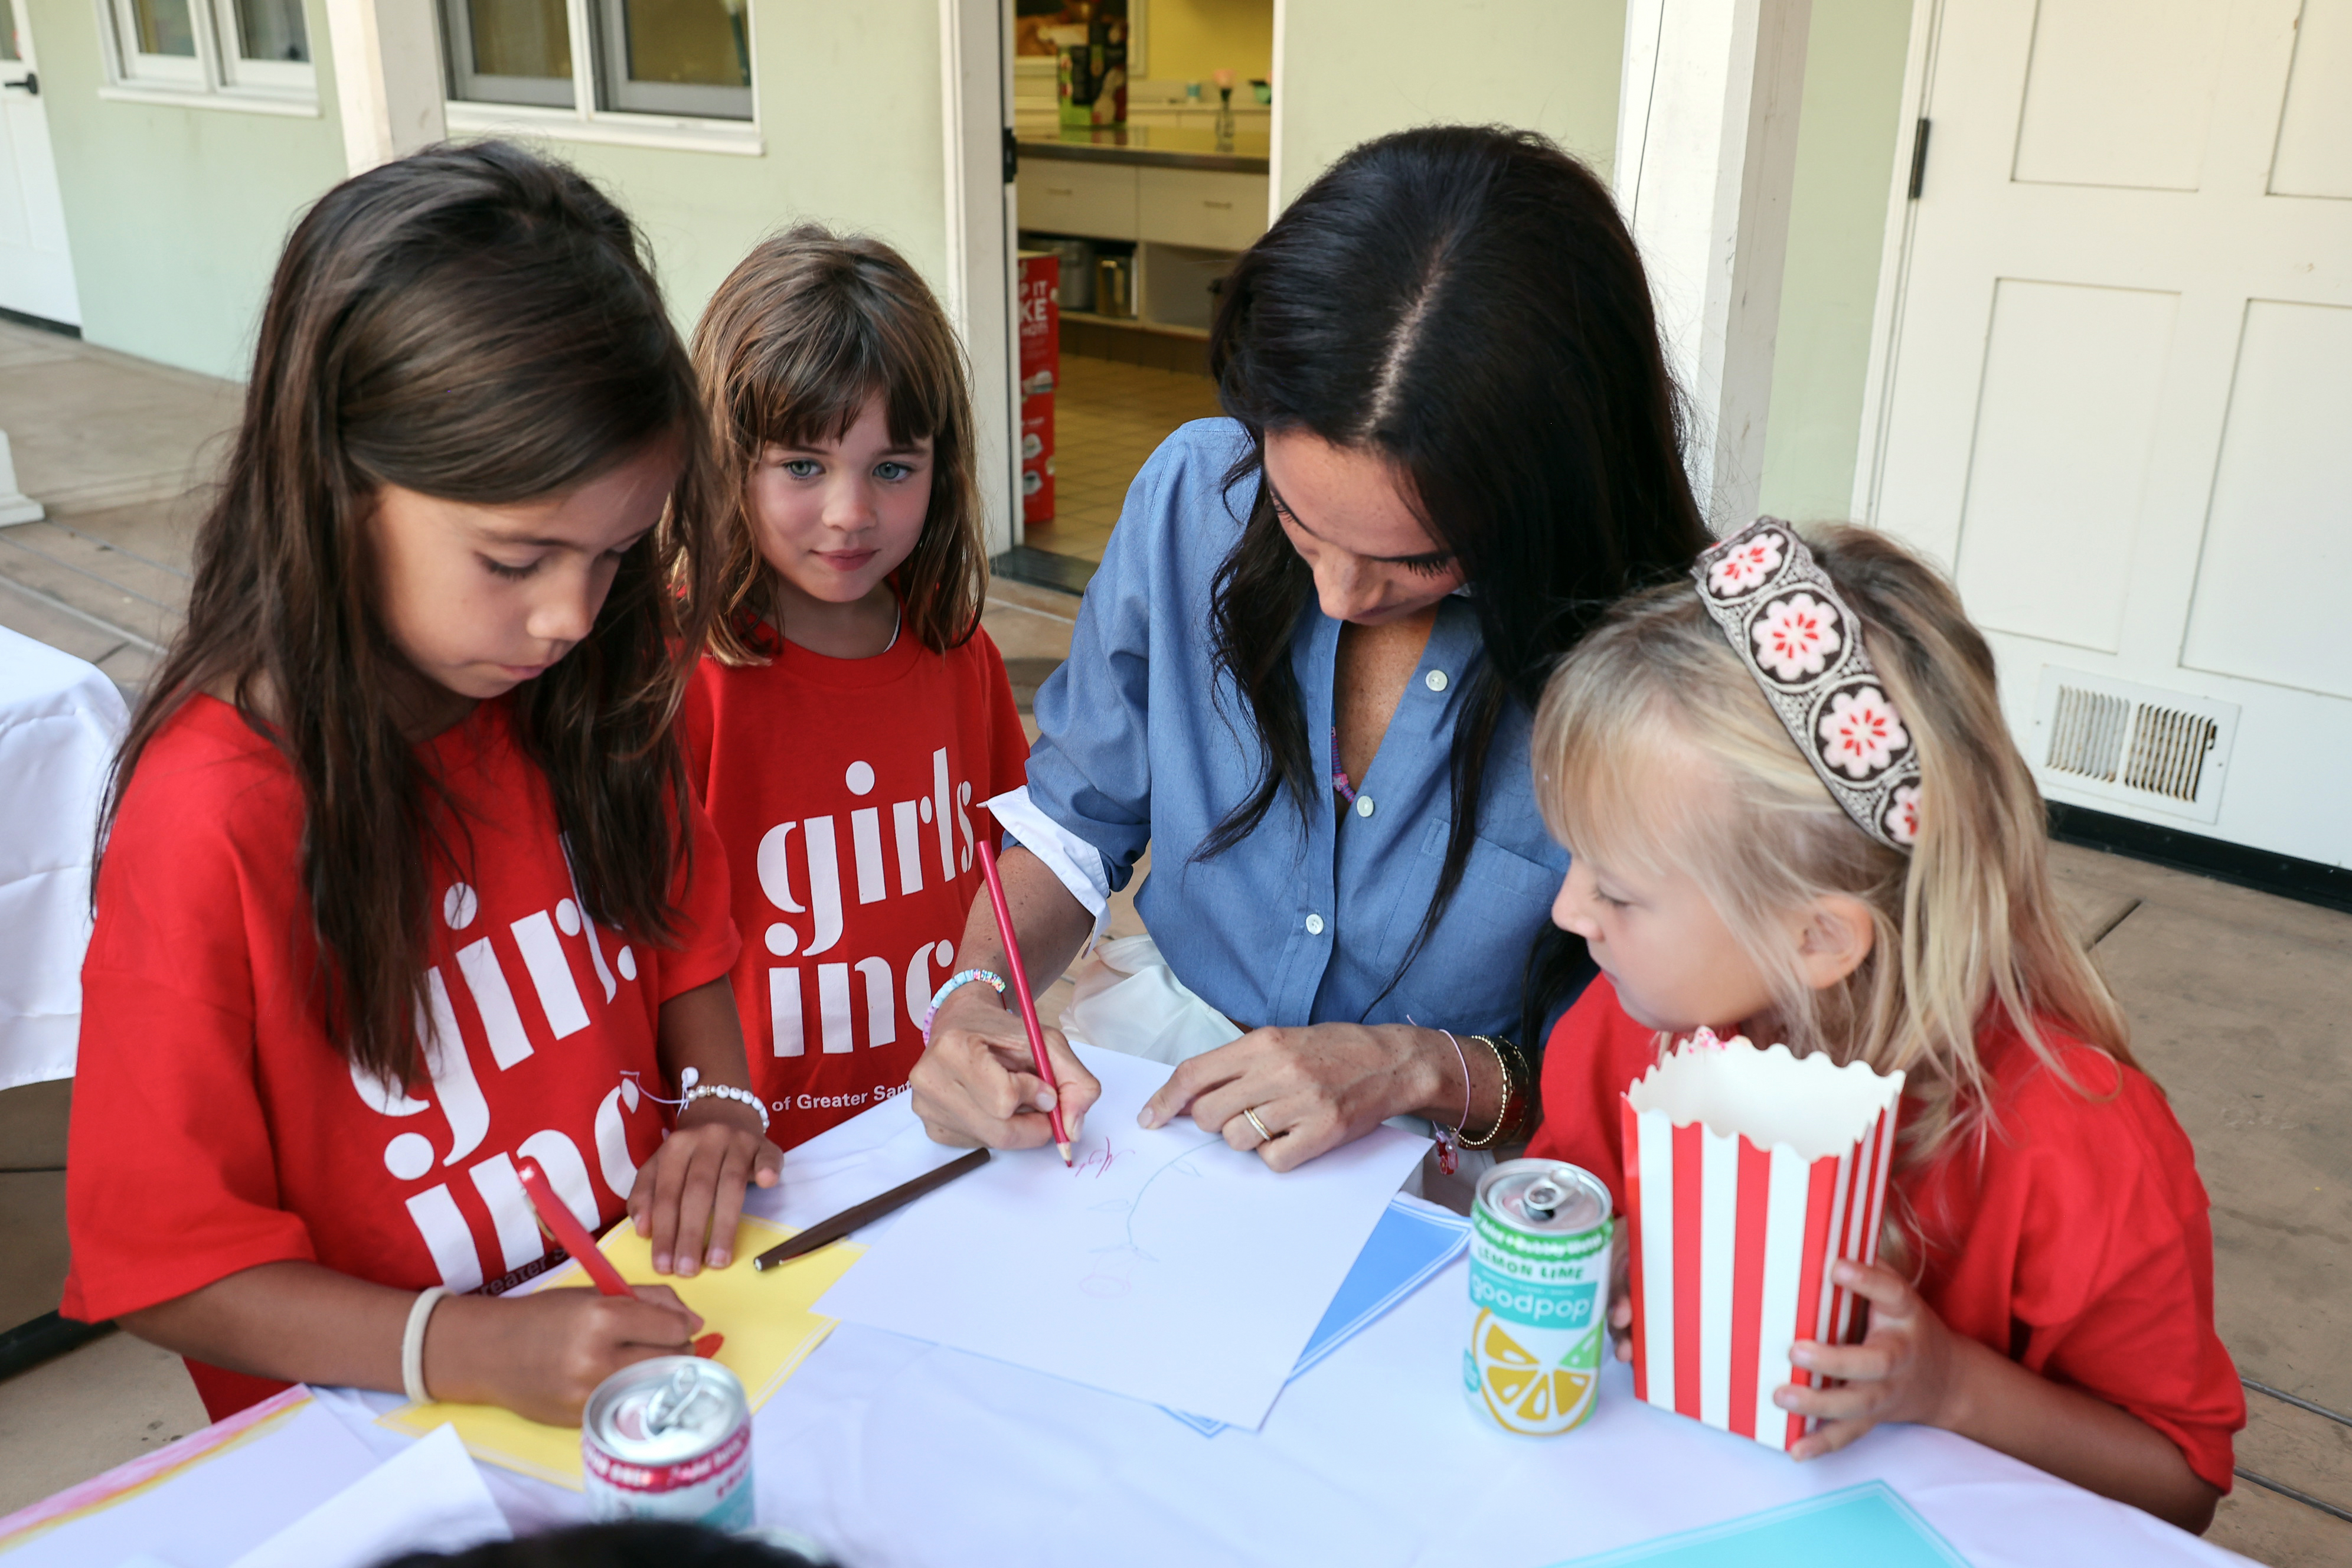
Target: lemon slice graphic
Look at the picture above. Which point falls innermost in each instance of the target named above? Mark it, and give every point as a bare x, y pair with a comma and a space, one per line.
1521, 1394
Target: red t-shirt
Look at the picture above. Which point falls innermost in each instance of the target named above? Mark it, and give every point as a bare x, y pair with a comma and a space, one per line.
2072, 1236
216, 1125
847, 791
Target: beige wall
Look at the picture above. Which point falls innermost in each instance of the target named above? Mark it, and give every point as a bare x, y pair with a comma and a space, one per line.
1846, 146
1190, 39
177, 215
1353, 69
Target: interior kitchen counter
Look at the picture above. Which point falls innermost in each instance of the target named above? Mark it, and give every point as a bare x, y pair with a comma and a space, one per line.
1159, 146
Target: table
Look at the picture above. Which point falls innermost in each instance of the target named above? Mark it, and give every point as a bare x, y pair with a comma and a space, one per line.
60, 721
889, 1451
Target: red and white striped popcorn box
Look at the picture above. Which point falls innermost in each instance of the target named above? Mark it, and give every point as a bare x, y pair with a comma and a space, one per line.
1749, 1174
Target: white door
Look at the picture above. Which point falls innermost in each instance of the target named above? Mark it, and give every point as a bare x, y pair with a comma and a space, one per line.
2118, 402
36, 272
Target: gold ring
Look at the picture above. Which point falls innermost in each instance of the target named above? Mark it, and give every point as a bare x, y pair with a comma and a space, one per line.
1263, 1136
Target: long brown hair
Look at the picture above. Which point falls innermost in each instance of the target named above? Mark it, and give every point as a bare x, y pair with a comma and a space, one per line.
1465, 302
1969, 932
805, 331
478, 324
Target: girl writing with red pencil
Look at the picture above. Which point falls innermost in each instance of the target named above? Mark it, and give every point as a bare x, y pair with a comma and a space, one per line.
1795, 813
401, 885
850, 715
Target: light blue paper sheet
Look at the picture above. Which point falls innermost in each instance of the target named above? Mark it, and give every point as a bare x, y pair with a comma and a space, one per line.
1868, 1524
1412, 1242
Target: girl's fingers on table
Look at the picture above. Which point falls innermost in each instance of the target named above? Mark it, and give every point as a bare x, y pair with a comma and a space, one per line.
1844, 1402
1872, 1361
1829, 1439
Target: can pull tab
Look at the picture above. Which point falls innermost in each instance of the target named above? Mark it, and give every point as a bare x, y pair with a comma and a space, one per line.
1543, 1198
664, 1410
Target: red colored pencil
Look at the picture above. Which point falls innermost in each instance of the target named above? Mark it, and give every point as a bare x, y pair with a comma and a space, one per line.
1021, 989
573, 1237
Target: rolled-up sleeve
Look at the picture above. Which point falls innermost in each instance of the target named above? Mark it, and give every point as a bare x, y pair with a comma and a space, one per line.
1090, 769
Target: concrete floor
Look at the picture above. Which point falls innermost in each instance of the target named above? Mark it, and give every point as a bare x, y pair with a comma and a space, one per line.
2236, 998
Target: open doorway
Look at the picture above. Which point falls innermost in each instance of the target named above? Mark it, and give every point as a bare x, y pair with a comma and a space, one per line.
1143, 130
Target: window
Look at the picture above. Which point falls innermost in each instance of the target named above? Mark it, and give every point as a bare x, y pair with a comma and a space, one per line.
9, 51
684, 59
251, 48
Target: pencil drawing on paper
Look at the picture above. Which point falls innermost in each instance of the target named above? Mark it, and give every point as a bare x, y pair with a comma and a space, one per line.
1113, 1274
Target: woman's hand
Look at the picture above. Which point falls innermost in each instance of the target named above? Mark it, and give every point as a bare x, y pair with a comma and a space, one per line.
1317, 1086
542, 1354
688, 1197
1905, 1370
977, 1085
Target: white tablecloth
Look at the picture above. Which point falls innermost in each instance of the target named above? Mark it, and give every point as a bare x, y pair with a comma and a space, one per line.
60, 721
889, 1451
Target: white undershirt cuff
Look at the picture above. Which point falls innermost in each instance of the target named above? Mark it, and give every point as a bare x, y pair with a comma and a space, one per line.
1077, 863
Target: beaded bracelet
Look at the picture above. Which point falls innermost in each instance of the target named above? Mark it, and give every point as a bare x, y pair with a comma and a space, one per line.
691, 1088
960, 977
1494, 1134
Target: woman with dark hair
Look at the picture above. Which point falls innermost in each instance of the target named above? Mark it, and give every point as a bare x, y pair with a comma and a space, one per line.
1304, 672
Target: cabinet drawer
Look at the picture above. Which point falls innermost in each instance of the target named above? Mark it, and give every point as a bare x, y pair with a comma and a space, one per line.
1061, 195
1211, 209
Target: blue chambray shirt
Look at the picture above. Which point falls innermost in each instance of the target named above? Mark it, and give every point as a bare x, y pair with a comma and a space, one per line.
1141, 742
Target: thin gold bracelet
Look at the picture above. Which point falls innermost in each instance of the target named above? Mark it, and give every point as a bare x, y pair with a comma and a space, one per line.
1503, 1111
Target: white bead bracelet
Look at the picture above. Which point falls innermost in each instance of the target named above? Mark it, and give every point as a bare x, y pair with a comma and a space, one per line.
692, 1089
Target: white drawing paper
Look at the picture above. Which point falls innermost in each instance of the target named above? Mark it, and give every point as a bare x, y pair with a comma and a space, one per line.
1164, 1266
427, 1497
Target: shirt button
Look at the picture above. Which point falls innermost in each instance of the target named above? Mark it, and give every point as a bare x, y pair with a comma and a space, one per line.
1314, 925
1363, 806
1434, 681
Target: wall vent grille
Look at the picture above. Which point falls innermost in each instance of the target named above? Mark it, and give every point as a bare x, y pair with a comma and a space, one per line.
2116, 742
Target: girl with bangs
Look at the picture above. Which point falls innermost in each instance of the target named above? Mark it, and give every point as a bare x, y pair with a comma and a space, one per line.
850, 717
1795, 813
401, 882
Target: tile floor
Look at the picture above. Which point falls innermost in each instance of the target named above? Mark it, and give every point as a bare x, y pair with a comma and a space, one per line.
1107, 418
2236, 998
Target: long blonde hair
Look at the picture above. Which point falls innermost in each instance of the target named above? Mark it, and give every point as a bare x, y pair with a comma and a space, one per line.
1967, 928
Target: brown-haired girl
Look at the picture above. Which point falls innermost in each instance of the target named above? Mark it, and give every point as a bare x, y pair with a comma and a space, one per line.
1796, 814
850, 715
402, 882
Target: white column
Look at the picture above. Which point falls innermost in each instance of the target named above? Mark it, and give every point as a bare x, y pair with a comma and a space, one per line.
976, 86
15, 505
388, 81
1707, 151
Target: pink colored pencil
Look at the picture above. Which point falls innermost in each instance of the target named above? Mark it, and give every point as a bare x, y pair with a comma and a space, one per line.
573, 1237
1021, 988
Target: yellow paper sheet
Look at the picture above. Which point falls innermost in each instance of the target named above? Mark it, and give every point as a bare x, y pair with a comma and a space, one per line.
766, 1318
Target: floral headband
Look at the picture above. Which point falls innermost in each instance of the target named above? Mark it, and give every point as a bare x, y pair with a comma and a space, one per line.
1803, 644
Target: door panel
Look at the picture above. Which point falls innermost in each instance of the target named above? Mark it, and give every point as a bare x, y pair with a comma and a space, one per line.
2270, 594
2314, 143
2063, 428
36, 271
2119, 92
2121, 370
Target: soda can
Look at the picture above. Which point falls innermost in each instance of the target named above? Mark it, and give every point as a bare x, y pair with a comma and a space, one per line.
1539, 1234
669, 1439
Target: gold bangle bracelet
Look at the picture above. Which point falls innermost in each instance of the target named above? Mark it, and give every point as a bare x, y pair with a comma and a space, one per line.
1502, 1112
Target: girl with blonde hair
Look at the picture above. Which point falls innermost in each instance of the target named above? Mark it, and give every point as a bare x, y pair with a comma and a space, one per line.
1795, 813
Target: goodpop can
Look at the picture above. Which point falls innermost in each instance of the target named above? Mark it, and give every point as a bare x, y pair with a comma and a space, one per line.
1539, 1296
669, 1439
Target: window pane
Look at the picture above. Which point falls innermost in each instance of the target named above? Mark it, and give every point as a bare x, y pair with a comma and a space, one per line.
695, 41
8, 50
521, 38
163, 27
271, 30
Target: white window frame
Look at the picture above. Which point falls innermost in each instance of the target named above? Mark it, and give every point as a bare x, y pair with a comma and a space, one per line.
217, 76
666, 117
